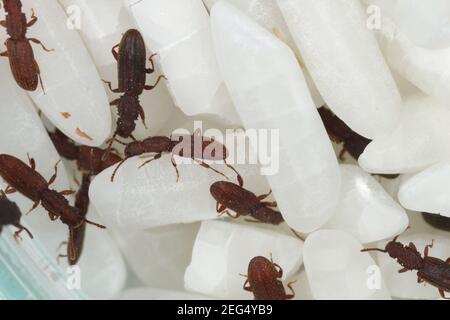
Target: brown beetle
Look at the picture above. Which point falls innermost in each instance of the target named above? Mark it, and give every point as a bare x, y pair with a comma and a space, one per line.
76, 235
89, 159
263, 280
10, 215
429, 269
195, 146
244, 203
18, 49
30, 183
339, 132
132, 71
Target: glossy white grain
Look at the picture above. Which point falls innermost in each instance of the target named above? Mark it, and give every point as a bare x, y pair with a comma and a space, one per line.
336, 268
270, 93
365, 210
419, 140
427, 190
345, 62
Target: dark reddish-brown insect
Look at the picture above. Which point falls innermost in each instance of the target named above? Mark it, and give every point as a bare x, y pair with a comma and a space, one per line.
18, 49
196, 147
132, 71
77, 235
339, 132
30, 183
244, 203
437, 221
89, 159
429, 269
263, 280
10, 215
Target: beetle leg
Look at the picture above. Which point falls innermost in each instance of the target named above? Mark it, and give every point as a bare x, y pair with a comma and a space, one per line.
247, 286
174, 164
270, 204
402, 270
10, 190
33, 19
21, 228
4, 54
64, 243
420, 280
142, 115
53, 178
115, 102
110, 87
114, 52
3, 23
75, 178
229, 214
53, 216
292, 295
253, 221
442, 293
207, 166
152, 68
70, 249
38, 71
263, 196
280, 270
67, 192
35, 205
156, 157
98, 225
58, 258
220, 208
37, 41
147, 87
32, 162
425, 251
341, 154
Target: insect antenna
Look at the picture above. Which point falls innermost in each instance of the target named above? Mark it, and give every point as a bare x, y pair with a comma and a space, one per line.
373, 249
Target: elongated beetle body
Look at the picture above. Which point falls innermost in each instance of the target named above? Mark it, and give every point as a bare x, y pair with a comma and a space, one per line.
18, 49
10, 215
429, 269
339, 132
244, 203
196, 147
132, 71
76, 235
263, 280
30, 183
89, 159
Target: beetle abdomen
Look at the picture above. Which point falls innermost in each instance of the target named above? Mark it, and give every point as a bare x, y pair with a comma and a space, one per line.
23, 65
131, 64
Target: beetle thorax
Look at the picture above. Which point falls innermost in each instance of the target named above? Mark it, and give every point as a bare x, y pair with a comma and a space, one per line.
16, 29
406, 256
57, 204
